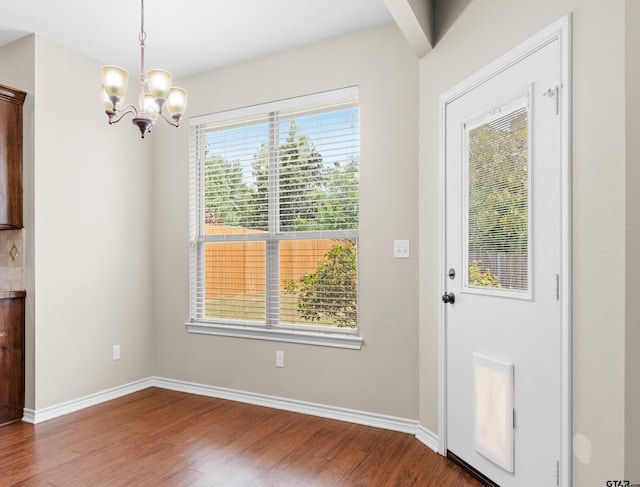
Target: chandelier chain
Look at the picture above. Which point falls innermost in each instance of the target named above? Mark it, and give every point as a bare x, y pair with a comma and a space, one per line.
142, 77
143, 34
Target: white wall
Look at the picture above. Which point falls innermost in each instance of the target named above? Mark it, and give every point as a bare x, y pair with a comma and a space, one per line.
476, 33
382, 377
91, 228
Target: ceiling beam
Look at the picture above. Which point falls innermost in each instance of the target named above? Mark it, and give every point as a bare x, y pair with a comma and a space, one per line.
415, 20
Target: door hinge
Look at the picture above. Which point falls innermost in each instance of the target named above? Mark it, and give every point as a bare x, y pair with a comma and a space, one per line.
558, 473
557, 287
554, 92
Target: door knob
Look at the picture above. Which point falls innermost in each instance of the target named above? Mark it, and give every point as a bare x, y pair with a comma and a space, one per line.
448, 298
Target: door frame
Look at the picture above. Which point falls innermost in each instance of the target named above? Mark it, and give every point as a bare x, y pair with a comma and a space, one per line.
560, 31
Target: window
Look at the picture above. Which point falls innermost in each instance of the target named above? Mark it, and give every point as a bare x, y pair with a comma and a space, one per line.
497, 222
274, 222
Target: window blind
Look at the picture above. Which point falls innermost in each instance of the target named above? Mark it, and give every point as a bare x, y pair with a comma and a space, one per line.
498, 200
275, 213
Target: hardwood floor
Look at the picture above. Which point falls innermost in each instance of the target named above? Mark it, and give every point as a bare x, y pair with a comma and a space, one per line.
163, 438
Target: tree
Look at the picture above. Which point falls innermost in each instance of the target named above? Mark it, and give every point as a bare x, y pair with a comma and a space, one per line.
330, 293
225, 191
498, 186
300, 177
311, 195
339, 207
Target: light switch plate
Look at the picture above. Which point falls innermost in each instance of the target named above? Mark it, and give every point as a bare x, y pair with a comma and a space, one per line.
401, 249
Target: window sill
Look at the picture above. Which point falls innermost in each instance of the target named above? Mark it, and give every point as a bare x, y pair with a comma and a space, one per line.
324, 339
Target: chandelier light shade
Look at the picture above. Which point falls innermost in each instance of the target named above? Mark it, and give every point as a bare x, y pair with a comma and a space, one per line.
177, 101
155, 92
114, 81
159, 82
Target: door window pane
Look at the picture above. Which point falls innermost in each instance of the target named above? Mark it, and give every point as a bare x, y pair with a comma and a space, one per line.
498, 200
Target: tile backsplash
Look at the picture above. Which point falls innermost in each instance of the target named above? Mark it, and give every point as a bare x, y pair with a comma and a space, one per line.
12, 260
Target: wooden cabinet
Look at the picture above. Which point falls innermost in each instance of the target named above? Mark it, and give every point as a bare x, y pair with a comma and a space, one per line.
11, 101
11, 356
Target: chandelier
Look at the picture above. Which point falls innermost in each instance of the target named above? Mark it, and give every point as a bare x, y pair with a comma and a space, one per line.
151, 102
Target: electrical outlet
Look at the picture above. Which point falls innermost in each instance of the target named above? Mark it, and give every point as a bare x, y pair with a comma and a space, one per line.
279, 359
116, 352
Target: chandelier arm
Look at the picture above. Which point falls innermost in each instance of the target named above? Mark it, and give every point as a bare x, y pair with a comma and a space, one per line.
174, 122
121, 113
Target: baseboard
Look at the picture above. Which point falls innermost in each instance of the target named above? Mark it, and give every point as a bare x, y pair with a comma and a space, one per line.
428, 438
45, 414
331, 412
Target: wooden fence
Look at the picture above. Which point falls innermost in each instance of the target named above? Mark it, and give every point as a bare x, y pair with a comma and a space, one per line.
509, 268
238, 268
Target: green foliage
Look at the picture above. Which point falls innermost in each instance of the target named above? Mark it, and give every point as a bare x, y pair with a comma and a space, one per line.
339, 208
330, 293
313, 195
498, 186
224, 191
300, 172
480, 277
300, 175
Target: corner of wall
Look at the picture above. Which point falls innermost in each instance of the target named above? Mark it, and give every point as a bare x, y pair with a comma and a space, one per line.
632, 248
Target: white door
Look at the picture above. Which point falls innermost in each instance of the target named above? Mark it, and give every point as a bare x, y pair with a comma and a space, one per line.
503, 260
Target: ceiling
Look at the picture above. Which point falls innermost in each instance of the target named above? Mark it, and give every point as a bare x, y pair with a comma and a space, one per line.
186, 36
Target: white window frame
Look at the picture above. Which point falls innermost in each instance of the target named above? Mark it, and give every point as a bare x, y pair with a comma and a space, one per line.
306, 334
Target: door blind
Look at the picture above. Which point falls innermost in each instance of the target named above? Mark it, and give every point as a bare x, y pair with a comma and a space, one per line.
498, 200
